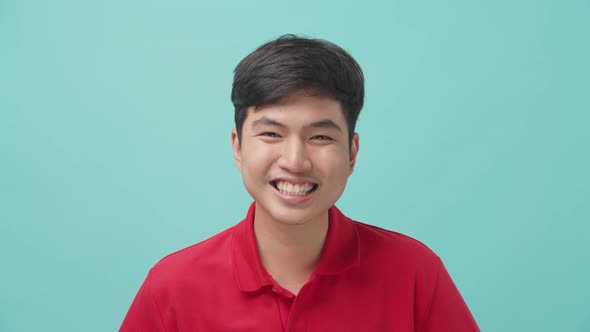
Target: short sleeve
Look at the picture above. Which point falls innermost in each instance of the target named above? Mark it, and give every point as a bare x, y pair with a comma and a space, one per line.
143, 315
447, 311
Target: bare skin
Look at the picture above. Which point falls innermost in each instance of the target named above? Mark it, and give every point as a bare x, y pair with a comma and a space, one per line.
290, 253
302, 142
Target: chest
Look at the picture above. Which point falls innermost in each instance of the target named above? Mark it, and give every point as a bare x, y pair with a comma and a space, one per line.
321, 305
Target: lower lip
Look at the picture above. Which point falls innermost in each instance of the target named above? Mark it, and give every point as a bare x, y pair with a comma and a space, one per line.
292, 199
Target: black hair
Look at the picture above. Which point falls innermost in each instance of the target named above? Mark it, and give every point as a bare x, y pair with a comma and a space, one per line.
291, 64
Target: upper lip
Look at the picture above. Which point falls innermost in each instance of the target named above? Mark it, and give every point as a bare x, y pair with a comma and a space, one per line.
294, 181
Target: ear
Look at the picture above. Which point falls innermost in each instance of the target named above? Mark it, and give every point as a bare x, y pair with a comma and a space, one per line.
354, 150
235, 144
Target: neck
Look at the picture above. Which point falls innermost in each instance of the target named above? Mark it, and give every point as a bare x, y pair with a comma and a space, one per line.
290, 253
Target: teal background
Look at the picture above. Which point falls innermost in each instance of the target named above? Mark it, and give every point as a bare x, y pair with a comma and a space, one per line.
115, 124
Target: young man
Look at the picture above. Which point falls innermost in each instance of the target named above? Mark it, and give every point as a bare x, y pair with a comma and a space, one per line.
296, 263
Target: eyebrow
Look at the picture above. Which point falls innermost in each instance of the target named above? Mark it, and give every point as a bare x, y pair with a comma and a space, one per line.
268, 122
325, 124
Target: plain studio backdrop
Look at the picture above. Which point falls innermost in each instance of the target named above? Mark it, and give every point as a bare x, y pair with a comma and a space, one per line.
115, 122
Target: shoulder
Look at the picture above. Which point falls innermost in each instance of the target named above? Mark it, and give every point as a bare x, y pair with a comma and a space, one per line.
396, 249
208, 257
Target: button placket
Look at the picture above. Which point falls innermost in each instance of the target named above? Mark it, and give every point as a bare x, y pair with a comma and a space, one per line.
297, 322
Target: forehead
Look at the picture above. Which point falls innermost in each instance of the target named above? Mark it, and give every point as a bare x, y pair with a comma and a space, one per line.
299, 110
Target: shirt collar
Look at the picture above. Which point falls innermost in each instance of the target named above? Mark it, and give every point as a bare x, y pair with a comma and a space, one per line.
340, 253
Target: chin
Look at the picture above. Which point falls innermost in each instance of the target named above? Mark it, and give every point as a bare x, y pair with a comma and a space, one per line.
295, 216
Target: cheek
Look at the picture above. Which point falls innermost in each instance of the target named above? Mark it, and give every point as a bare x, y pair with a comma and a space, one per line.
333, 163
256, 158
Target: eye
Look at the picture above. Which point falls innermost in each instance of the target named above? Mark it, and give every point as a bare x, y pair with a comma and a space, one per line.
270, 134
322, 138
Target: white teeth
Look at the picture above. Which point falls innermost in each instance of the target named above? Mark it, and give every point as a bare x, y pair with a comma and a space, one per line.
294, 189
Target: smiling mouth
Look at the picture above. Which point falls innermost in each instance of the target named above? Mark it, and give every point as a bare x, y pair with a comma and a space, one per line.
291, 189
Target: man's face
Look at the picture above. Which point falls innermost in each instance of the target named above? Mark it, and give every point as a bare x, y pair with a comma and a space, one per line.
295, 158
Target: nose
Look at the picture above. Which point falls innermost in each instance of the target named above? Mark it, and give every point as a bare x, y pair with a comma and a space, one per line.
294, 157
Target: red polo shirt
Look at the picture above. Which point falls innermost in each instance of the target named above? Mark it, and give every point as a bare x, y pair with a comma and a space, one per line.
368, 279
